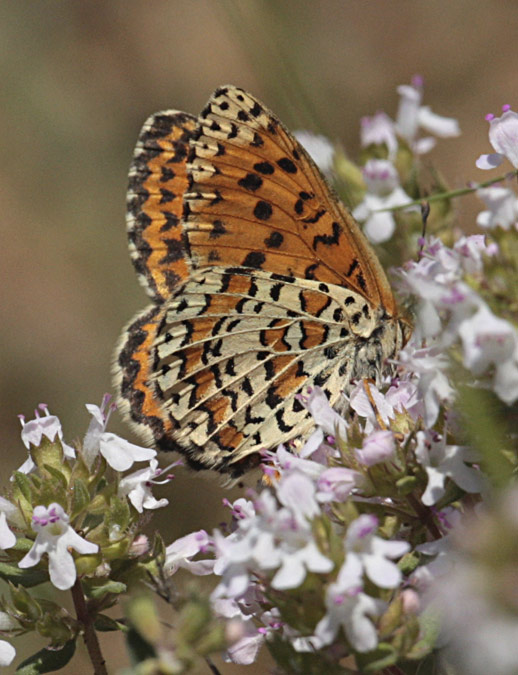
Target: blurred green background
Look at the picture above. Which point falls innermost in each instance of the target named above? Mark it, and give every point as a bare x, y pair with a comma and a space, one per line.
77, 81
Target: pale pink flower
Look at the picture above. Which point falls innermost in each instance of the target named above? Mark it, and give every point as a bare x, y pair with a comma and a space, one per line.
55, 536
503, 136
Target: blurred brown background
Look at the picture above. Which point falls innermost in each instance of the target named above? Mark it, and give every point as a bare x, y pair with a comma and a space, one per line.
77, 81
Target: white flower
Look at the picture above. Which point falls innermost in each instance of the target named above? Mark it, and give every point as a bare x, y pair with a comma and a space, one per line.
296, 561
503, 136
298, 551
284, 462
436, 280
379, 446
323, 414
403, 395
327, 420
428, 366
412, 115
442, 564
55, 536
361, 404
444, 127
348, 607
137, 486
7, 538
180, 554
369, 552
502, 207
383, 192
337, 483
378, 130
489, 340
7, 653
251, 545
244, 637
472, 250
13, 513
270, 537
297, 492
441, 461
119, 453
244, 651
318, 147
33, 431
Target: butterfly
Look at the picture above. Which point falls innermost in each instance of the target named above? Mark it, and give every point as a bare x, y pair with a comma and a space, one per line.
262, 286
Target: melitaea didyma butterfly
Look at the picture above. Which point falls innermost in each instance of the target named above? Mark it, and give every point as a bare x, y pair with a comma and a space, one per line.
262, 283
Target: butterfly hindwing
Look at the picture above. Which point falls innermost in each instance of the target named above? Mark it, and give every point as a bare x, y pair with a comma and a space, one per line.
236, 347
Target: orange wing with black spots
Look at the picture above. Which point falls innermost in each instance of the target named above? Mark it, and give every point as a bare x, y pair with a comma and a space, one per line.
157, 183
257, 199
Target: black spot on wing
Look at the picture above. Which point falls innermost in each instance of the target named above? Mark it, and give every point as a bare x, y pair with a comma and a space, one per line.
327, 239
218, 228
274, 240
287, 165
265, 168
250, 182
263, 210
254, 259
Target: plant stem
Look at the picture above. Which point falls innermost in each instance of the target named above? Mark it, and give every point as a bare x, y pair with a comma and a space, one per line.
89, 635
451, 194
424, 516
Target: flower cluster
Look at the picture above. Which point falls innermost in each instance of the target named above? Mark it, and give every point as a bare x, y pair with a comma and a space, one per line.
68, 515
358, 540
449, 310
382, 179
351, 535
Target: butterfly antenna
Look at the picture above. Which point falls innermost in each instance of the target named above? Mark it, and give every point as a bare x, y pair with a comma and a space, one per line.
212, 666
425, 212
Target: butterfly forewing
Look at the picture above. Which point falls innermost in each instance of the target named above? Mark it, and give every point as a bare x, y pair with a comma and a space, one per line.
257, 199
157, 183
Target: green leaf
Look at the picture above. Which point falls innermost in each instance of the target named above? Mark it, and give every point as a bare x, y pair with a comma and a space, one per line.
25, 603
301, 663
427, 666
485, 420
382, 657
139, 649
105, 624
47, 660
98, 588
408, 562
118, 514
80, 497
19, 577
23, 484
430, 627
51, 492
57, 474
406, 484
142, 614
49, 452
